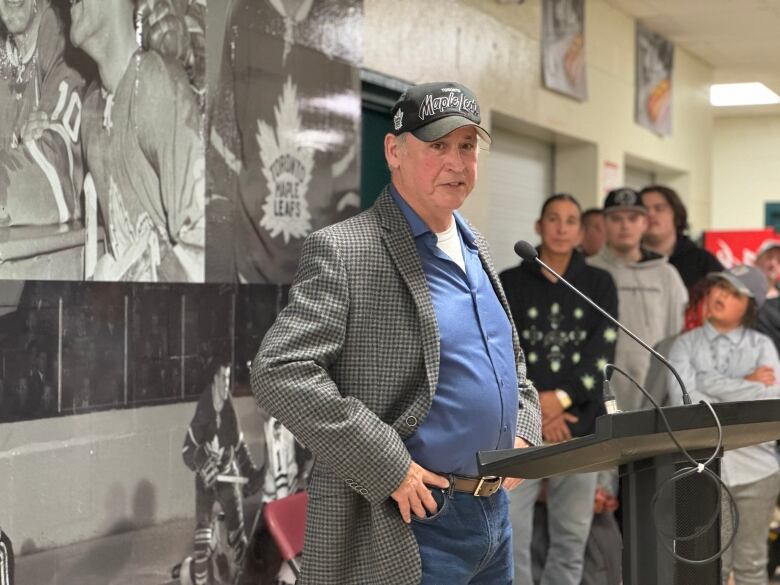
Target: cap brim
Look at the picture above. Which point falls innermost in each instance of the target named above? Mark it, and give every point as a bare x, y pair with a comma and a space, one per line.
767, 246
733, 281
443, 126
614, 208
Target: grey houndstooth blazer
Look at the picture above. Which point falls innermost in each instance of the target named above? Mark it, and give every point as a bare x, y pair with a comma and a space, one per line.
350, 367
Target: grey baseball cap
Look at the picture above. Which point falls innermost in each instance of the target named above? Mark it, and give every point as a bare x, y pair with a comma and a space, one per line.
766, 246
430, 111
748, 280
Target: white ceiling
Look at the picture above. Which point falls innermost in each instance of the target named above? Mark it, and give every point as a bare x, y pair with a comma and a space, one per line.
739, 38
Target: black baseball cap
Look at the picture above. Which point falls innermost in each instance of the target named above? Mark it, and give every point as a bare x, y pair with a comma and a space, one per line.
623, 199
433, 110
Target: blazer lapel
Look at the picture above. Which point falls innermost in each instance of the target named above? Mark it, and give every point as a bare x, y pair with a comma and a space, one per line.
400, 245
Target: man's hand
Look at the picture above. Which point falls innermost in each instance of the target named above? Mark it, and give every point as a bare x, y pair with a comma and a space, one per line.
413, 494
551, 406
556, 430
511, 483
37, 123
763, 374
604, 502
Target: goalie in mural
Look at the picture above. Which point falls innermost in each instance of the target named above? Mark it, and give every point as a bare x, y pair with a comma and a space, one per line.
215, 450
142, 141
287, 164
41, 94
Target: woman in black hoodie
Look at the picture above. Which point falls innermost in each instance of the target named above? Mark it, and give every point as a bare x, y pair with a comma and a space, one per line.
567, 343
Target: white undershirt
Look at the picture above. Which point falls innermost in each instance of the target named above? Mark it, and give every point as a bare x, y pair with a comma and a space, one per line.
448, 242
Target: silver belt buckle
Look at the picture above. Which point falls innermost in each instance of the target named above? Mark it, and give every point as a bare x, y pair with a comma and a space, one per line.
491, 485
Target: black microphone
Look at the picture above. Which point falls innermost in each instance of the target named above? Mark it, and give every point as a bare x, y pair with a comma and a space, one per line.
528, 253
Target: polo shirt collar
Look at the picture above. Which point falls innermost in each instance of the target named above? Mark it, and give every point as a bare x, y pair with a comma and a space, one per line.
734, 336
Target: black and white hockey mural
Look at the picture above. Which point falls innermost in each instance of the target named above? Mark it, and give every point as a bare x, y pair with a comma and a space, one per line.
102, 168
160, 167
284, 137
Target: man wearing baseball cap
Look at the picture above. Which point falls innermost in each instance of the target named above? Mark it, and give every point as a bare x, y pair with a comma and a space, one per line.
651, 294
725, 360
396, 361
768, 261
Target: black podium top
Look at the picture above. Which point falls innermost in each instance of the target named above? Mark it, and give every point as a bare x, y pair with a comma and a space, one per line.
630, 436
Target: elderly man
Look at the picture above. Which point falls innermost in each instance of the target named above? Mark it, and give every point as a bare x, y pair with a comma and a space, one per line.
40, 116
395, 361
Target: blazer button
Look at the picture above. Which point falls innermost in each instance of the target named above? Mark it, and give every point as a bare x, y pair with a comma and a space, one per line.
411, 421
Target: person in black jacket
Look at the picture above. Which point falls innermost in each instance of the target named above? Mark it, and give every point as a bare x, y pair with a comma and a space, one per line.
567, 345
666, 235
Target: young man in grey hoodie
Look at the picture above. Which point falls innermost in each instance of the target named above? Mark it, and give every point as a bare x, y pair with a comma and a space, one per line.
651, 294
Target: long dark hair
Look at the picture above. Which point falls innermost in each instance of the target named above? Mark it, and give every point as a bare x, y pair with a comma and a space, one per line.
674, 201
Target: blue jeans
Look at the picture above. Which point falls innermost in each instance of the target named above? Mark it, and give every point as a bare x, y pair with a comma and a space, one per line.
467, 542
569, 516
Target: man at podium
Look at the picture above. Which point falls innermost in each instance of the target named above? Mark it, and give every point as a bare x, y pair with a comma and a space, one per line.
396, 361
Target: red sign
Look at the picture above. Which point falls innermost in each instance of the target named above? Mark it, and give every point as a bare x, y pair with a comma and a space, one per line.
733, 247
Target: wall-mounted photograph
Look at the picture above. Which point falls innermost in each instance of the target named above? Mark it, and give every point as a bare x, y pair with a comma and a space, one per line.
654, 68
563, 47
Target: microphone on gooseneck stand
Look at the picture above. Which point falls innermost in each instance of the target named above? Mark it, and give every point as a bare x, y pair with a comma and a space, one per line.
528, 253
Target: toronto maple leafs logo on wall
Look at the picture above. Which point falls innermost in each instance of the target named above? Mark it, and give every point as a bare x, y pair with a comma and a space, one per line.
287, 168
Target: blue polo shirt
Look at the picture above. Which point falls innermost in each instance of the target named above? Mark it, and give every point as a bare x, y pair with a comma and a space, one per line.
476, 400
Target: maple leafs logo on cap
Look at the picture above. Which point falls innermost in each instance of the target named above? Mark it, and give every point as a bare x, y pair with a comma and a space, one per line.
625, 197
398, 119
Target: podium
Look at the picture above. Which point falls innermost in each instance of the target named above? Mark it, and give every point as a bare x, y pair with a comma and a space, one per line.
638, 445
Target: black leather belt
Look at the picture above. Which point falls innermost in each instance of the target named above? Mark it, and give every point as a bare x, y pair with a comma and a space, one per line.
476, 486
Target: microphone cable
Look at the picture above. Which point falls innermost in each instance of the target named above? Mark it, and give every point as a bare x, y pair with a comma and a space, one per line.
529, 254
693, 469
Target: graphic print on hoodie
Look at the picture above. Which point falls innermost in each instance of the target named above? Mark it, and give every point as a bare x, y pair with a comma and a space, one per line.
567, 342
651, 301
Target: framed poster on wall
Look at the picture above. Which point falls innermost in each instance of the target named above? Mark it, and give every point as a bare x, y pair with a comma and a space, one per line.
653, 93
563, 47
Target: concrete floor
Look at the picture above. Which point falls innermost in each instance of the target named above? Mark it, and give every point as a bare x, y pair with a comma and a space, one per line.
141, 557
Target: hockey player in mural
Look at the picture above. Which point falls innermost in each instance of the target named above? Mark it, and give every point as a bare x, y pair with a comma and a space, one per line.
215, 450
143, 149
40, 114
287, 164
176, 29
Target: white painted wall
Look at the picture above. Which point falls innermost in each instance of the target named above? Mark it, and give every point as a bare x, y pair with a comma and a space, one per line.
494, 49
745, 170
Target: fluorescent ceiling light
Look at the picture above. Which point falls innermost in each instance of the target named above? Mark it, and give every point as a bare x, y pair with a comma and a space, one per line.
742, 94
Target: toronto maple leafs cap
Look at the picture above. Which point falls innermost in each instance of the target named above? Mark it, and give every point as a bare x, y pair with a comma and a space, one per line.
433, 110
748, 280
623, 199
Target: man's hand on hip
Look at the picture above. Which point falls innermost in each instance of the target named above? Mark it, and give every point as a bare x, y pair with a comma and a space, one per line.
511, 483
413, 494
